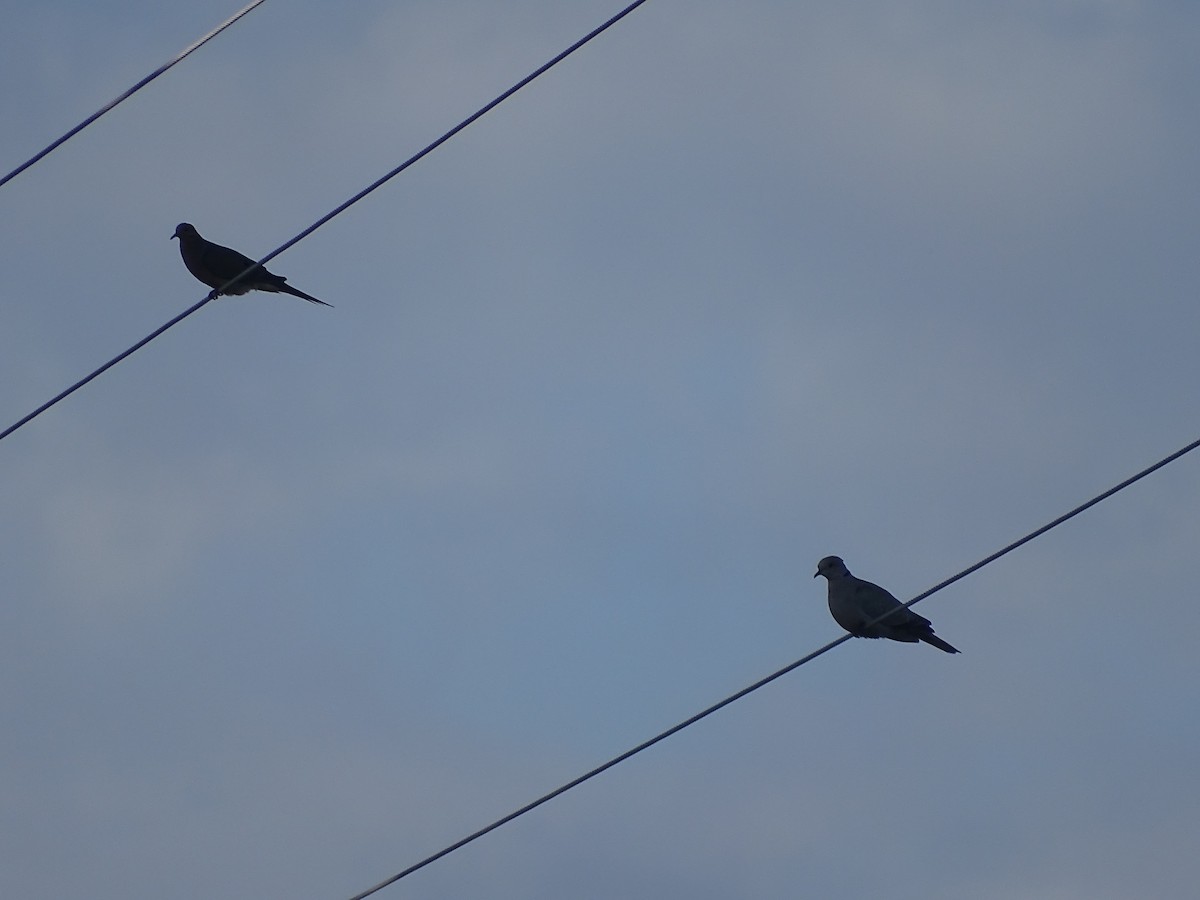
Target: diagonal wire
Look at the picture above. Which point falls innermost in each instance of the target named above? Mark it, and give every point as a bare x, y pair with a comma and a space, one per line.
104, 368
596, 32
179, 57
762, 682
1183, 451
335, 212
645, 745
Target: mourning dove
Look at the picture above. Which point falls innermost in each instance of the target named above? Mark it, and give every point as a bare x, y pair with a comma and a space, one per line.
855, 603
216, 265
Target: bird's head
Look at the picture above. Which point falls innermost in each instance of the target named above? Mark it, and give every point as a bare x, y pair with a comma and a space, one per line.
831, 567
184, 229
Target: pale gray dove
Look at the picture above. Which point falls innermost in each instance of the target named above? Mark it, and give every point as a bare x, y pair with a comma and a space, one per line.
854, 603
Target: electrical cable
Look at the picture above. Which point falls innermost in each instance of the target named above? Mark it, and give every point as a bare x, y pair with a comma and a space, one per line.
330, 215
772, 677
179, 57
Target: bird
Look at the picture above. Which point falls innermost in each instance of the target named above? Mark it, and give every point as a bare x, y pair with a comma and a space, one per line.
215, 266
855, 604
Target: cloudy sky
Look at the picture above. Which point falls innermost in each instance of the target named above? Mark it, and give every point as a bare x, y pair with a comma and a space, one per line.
297, 596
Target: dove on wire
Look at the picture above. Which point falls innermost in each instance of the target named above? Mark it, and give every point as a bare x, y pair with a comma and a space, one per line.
854, 603
216, 265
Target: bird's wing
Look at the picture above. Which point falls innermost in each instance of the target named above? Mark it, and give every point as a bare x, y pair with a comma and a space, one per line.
227, 263
874, 601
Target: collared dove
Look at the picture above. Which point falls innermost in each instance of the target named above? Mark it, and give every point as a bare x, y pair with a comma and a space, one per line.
854, 603
215, 265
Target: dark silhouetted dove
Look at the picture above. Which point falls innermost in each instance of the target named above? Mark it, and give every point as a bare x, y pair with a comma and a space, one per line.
854, 602
215, 265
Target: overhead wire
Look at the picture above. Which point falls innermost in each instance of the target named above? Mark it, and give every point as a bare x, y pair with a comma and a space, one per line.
378, 183
179, 57
691, 720
762, 682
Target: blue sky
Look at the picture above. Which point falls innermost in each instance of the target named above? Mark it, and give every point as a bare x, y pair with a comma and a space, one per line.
296, 597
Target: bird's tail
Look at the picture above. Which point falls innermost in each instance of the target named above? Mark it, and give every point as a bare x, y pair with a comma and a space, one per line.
288, 289
935, 641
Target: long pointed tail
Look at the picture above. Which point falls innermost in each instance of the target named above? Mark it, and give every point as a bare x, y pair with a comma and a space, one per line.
935, 641
288, 289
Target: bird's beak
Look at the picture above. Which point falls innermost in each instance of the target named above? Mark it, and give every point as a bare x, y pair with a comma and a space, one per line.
173, 237
816, 573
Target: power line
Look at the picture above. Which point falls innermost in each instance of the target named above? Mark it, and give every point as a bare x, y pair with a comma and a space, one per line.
335, 212
108, 365
179, 57
773, 676
1054, 524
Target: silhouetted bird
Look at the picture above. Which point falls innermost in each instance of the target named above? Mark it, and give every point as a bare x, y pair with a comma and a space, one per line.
215, 265
854, 602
